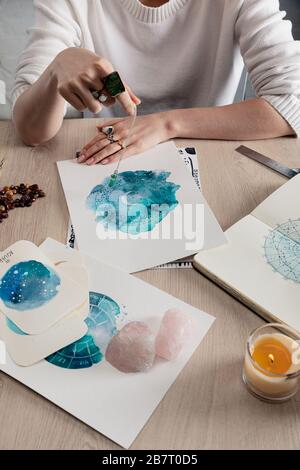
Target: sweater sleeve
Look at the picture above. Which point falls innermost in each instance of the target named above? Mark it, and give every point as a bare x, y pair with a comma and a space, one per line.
271, 56
54, 30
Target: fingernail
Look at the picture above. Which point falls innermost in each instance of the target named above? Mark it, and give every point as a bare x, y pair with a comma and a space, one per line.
105, 162
81, 158
90, 161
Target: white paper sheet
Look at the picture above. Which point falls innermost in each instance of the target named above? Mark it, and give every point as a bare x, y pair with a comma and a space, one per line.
190, 159
117, 405
135, 254
282, 205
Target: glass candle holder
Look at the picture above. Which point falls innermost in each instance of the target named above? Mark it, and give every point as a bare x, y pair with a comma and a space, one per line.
272, 363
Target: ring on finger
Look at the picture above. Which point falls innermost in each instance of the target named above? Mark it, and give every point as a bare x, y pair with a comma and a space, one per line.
100, 95
108, 130
111, 139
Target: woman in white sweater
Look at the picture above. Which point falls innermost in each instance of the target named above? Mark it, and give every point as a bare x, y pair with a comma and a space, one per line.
182, 59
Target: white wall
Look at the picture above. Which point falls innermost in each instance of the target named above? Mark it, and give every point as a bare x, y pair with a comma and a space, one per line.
15, 18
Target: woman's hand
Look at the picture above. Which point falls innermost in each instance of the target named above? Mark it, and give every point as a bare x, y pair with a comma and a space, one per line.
148, 131
79, 71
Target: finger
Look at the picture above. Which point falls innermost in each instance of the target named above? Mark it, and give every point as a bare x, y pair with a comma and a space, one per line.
109, 102
134, 98
101, 148
95, 84
72, 98
126, 102
95, 148
124, 153
86, 152
93, 142
103, 68
92, 80
82, 90
109, 122
119, 133
103, 154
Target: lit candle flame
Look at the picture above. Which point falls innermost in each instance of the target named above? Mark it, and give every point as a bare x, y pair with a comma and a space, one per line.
271, 359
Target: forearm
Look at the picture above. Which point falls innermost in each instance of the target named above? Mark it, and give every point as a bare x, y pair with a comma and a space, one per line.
39, 111
249, 120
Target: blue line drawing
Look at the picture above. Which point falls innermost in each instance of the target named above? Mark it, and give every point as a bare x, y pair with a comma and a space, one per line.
138, 201
282, 250
28, 285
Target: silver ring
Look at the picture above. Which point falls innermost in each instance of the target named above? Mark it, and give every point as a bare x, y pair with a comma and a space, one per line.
100, 96
108, 130
111, 139
103, 98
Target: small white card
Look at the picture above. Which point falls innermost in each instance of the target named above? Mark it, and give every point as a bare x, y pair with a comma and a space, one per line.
26, 349
34, 293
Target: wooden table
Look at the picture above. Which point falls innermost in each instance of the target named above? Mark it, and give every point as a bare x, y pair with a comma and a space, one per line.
208, 407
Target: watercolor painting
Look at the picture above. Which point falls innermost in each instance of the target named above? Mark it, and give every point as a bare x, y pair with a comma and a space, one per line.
282, 250
28, 285
89, 350
13, 327
140, 200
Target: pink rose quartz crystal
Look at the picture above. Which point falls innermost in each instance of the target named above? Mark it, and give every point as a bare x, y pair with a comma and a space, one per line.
175, 330
132, 349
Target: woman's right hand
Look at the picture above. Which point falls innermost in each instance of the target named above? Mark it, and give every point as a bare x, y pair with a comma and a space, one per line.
78, 72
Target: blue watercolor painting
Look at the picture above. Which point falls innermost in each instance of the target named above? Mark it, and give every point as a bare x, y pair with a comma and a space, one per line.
28, 285
282, 250
89, 350
13, 327
137, 202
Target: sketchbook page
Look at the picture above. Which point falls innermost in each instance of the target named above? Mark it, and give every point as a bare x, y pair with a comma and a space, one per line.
153, 213
261, 264
116, 404
283, 205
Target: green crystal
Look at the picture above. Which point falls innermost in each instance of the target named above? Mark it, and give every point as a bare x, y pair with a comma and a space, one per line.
112, 180
114, 84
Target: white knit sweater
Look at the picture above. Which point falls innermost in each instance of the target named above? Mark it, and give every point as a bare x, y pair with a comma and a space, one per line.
186, 53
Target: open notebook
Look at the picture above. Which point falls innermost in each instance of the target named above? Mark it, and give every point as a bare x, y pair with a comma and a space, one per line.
261, 263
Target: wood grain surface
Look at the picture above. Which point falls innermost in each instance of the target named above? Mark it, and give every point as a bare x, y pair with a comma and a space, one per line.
208, 407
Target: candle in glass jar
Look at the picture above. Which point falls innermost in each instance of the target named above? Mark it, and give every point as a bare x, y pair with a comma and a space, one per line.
272, 364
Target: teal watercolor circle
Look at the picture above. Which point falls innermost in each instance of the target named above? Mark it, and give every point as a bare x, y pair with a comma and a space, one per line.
135, 203
85, 352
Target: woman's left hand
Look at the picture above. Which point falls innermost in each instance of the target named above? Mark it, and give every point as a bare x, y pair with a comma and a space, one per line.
148, 131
